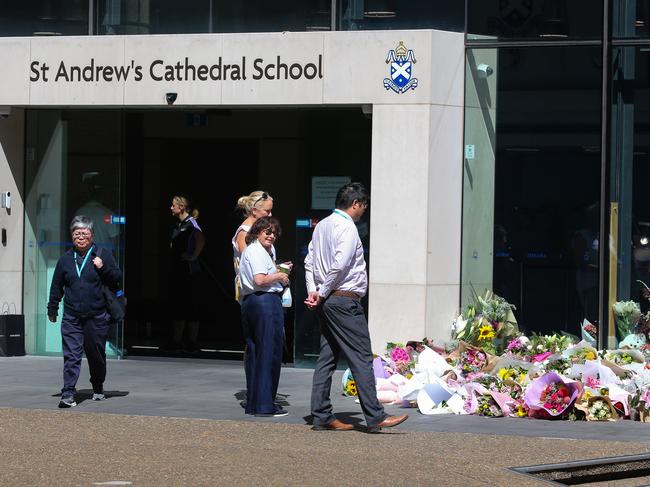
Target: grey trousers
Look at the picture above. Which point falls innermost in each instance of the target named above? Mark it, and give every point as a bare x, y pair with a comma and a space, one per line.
344, 330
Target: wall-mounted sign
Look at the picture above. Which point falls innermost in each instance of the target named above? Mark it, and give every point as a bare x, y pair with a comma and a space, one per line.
242, 68
324, 189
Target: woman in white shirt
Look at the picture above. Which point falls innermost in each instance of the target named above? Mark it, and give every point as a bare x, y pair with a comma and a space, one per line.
262, 317
255, 205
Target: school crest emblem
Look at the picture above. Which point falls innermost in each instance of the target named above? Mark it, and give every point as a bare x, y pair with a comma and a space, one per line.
400, 61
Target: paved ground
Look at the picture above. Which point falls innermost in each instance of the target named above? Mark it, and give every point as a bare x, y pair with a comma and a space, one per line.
180, 423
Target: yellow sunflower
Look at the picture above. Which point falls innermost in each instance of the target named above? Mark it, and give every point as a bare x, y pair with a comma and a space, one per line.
486, 332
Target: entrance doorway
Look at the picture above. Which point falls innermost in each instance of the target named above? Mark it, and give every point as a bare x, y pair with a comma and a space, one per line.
123, 167
216, 156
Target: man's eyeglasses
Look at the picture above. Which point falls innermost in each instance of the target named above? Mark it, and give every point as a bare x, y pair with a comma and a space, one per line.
81, 235
265, 196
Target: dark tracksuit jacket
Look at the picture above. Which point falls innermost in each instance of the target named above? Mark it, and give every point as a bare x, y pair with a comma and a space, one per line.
83, 297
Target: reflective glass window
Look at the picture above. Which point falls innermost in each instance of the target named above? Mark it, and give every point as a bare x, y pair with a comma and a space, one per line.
630, 19
534, 19
390, 14
629, 207
44, 17
532, 182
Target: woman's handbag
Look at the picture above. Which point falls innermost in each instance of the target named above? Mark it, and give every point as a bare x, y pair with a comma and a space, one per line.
115, 301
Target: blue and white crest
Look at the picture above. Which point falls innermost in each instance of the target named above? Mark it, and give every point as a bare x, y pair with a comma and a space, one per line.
401, 61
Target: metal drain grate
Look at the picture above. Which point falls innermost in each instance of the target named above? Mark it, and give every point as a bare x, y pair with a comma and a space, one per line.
588, 471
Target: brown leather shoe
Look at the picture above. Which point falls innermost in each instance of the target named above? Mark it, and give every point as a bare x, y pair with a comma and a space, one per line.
388, 422
335, 425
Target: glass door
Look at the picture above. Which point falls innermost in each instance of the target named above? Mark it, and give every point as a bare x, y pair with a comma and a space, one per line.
73, 167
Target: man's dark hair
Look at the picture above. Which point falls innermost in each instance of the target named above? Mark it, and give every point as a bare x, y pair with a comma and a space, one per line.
262, 224
349, 193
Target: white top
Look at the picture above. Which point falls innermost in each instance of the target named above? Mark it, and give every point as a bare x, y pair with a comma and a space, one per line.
235, 249
256, 260
335, 257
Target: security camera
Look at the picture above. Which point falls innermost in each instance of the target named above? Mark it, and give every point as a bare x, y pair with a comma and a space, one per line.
484, 70
171, 98
5, 112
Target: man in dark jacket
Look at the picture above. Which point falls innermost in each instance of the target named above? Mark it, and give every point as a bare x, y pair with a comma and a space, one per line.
79, 278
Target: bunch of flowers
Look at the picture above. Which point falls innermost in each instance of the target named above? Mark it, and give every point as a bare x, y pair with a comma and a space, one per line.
591, 330
495, 384
348, 384
519, 408
622, 358
488, 319
552, 394
627, 314
472, 360
517, 374
582, 354
487, 406
555, 397
517, 346
600, 410
543, 346
560, 365
403, 358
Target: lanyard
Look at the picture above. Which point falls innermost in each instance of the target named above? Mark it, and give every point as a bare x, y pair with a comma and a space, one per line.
79, 269
343, 214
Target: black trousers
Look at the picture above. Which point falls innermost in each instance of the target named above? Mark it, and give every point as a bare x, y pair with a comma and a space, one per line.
344, 330
84, 335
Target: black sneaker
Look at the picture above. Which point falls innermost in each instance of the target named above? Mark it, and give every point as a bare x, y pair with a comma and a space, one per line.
277, 414
67, 402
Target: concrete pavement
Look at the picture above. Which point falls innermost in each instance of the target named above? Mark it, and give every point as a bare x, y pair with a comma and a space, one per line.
179, 422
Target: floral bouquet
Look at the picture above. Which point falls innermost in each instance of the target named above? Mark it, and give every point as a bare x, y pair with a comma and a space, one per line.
518, 346
589, 333
625, 357
558, 364
402, 358
348, 384
579, 354
627, 315
484, 402
551, 395
489, 319
542, 347
597, 408
472, 360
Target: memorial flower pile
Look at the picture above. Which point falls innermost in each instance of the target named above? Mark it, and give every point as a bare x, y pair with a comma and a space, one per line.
489, 368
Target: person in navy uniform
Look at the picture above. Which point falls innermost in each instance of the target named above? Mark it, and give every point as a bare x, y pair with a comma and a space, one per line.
186, 244
79, 278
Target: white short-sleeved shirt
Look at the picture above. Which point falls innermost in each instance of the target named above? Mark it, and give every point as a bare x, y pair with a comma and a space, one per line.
256, 260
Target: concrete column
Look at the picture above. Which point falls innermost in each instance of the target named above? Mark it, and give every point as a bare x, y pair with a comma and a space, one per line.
416, 197
12, 145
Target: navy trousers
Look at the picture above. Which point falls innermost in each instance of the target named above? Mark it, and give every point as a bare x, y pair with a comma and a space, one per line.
344, 330
263, 325
84, 335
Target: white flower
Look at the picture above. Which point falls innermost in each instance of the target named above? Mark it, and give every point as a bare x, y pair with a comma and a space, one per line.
540, 347
529, 347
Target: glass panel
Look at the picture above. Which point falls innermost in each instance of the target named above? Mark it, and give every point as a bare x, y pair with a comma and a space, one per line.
480, 144
630, 172
390, 14
534, 19
171, 17
277, 16
542, 250
630, 18
44, 17
73, 166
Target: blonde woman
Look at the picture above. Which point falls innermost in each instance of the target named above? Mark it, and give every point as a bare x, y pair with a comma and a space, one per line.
256, 205
186, 244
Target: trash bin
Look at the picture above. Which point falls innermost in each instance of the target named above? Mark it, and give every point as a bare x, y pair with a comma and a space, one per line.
12, 335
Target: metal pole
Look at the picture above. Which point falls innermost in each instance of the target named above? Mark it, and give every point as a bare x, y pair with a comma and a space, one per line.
603, 245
